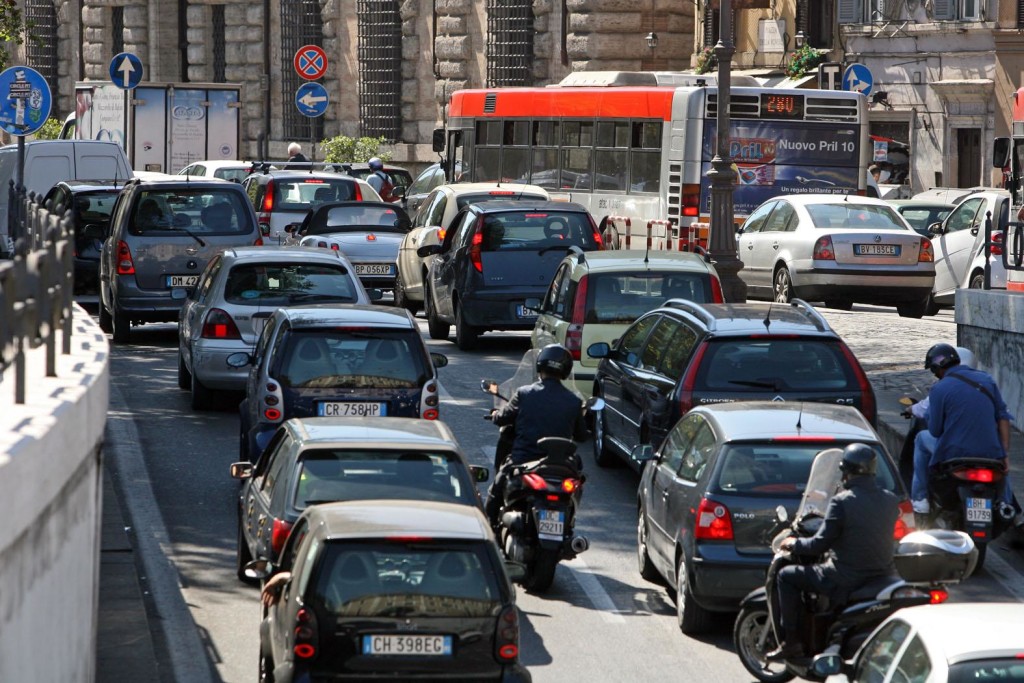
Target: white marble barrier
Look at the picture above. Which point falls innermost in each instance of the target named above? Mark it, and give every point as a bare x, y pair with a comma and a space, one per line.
991, 324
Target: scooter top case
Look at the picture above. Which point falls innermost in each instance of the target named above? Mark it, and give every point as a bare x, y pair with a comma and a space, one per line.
935, 556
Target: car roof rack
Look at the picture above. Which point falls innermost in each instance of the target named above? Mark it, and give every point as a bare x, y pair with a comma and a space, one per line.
812, 313
694, 309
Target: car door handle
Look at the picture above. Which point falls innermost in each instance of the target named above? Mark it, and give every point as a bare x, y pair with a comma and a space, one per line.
664, 494
775, 245
750, 245
974, 232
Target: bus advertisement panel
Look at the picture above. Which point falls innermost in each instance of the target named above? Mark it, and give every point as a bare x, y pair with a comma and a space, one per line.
782, 157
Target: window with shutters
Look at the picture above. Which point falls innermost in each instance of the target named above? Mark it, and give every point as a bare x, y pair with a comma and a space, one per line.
880, 11
816, 20
380, 69
301, 24
711, 21
509, 48
1020, 14
41, 53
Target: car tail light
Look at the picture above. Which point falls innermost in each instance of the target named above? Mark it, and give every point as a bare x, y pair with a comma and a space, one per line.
927, 254
867, 394
306, 634
476, 245
597, 235
981, 475
258, 242
125, 264
535, 481
570, 485
823, 250
689, 380
321, 244
996, 249
716, 291
905, 522
691, 200
279, 534
272, 414
574, 333
441, 232
937, 596
268, 199
429, 401
357, 194
219, 325
714, 522
506, 636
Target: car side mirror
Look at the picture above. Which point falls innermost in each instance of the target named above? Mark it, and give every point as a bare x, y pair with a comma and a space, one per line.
398, 192
265, 229
480, 474
825, 665
239, 360
374, 294
516, 571
1001, 148
241, 470
642, 453
489, 386
595, 404
935, 229
532, 303
437, 140
781, 514
291, 228
599, 350
428, 250
438, 359
258, 569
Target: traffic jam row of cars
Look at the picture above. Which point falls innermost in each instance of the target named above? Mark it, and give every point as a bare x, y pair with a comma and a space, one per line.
720, 407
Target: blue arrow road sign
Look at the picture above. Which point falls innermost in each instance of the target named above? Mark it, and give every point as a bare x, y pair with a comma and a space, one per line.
311, 99
857, 78
126, 70
24, 100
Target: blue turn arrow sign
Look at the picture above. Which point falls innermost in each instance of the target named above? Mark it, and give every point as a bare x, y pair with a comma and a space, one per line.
126, 70
857, 78
311, 99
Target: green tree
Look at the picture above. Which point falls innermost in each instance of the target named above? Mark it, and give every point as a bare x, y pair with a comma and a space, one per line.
50, 129
13, 29
343, 149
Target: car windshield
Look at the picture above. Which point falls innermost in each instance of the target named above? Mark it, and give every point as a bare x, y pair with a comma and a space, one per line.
300, 194
237, 174
624, 297
920, 217
776, 364
535, 230
95, 207
352, 358
854, 216
779, 467
407, 579
286, 284
988, 669
334, 474
201, 211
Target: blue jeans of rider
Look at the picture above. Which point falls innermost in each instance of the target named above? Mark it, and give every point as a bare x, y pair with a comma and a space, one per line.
924, 450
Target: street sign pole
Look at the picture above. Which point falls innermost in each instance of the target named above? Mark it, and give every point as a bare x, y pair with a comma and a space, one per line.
126, 73
24, 107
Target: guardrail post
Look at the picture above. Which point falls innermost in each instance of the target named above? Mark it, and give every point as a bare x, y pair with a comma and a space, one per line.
988, 251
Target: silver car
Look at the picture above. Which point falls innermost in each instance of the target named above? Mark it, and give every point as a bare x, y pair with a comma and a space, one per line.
237, 293
837, 249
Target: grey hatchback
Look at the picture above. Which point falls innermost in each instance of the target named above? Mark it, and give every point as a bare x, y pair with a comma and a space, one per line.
162, 235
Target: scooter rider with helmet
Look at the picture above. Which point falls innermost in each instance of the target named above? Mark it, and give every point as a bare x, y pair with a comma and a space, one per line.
544, 408
858, 534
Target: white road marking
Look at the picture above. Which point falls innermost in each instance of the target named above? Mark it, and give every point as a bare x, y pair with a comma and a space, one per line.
596, 592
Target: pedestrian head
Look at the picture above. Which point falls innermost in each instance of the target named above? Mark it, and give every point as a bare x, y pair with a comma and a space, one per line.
294, 148
376, 164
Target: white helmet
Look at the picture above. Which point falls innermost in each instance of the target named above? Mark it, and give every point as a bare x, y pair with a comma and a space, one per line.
967, 357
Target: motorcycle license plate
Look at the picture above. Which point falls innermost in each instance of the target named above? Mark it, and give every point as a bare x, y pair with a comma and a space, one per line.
979, 510
550, 524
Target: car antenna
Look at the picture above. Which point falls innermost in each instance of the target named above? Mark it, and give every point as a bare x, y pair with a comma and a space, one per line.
800, 417
768, 317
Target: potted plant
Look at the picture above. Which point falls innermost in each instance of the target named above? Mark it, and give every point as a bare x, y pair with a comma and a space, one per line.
803, 60
706, 60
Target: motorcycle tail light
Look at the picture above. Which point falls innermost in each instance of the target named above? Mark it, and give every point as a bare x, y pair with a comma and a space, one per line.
981, 475
938, 596
535, 481
570, 485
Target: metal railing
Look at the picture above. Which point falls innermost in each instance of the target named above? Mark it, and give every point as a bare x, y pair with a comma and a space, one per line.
36, 288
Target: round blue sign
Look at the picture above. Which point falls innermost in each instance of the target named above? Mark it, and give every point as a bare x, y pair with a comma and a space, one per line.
311, 99
24, 100
857, 78
126, 70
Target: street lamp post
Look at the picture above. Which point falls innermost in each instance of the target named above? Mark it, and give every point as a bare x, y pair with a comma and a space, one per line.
723, 231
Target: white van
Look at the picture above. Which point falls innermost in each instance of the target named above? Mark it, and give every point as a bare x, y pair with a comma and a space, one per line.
50, 161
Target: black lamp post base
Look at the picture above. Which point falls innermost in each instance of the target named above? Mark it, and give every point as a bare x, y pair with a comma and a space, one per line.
734, 290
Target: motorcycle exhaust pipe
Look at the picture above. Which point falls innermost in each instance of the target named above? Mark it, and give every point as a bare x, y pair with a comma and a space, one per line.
513, 521
579, 544
1006, 511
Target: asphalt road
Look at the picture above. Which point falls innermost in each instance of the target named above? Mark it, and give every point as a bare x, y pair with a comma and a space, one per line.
600, 619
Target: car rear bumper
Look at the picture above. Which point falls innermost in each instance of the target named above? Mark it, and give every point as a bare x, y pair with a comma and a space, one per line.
722, 577
497, 311
862, 286
210, 364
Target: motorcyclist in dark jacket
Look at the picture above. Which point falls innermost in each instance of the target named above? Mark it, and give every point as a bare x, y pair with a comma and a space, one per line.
544, 408
858, 530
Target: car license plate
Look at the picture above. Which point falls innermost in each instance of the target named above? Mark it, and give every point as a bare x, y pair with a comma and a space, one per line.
408, 645
876, 249
182, 280
550, 524
375, 268
979, 510
350, 409
524, 312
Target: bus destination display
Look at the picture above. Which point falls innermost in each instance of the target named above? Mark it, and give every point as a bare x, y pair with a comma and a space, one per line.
782, 106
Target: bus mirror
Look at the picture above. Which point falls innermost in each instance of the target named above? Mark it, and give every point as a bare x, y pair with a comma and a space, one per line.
438, 140
1001, 152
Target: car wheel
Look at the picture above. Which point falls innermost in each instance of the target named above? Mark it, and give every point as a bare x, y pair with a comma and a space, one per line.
913, 310
691, 617
783, 286
438, 329
643, 558
603, 455
184, 376
753, 638
466, 336
243, 555
931, 308
106, 322
401, 300
977, 280
839, 304
202, 397
122, 327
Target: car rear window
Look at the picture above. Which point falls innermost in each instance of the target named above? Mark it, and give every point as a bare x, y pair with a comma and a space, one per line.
300, 194
921, 217
534, 230
286, 284
95, 207
988, 669
380, 218
406, 579
200, 211
776, 364
855, 216
236, 174
492, 195
624, 297
327, 475
352, 358
780, 467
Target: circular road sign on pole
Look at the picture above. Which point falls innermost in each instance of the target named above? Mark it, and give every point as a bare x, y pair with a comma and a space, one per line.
126, 70
24, 100
857, 78
311, 99
310, 62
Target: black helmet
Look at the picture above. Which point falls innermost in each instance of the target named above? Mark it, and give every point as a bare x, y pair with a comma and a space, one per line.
940, 357
556, 359
858, 458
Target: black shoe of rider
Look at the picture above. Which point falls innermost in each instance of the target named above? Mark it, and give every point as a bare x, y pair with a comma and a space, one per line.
786, 651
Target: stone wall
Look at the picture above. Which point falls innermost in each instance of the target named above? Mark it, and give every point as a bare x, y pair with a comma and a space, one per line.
991, 324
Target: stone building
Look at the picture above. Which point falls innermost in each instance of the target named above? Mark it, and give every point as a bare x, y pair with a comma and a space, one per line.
392, 63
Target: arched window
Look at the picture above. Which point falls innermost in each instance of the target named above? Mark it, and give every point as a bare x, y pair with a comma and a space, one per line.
301, 24
509, 42
380, 69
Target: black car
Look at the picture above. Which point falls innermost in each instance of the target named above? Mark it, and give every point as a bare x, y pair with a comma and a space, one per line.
401, 178
707, 499
686, 354
90, 203
494, 257
391, 590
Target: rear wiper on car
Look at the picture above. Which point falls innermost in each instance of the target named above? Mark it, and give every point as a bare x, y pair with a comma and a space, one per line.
555, 247
190, 234
755, 383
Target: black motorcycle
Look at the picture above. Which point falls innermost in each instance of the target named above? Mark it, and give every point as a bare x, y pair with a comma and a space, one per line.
927, 562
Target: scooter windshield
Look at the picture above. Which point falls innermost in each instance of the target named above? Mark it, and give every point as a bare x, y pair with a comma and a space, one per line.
526, 373
824, 481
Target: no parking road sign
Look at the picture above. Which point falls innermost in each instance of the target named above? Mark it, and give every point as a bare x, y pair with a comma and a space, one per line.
310, 62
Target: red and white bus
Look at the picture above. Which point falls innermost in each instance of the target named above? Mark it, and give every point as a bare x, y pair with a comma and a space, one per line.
641, 153
1009, 154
